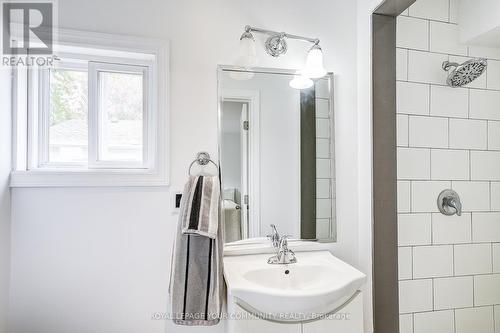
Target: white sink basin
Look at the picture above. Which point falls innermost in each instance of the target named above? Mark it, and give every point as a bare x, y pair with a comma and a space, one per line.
317, 284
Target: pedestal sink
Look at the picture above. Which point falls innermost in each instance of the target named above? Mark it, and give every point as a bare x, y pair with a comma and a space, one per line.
318, 284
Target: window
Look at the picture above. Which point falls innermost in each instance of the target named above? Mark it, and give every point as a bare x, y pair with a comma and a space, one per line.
96, 117
66, 120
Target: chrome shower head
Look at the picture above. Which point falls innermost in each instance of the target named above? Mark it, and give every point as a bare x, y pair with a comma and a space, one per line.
465, 73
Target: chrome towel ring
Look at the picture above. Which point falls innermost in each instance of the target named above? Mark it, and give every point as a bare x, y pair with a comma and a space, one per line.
202, 158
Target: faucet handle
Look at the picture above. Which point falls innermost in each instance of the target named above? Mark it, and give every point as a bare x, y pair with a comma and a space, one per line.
283, 243
453, 203
274, 237
449, 203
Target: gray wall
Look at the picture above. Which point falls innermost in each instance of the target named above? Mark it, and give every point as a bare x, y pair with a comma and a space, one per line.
5, 164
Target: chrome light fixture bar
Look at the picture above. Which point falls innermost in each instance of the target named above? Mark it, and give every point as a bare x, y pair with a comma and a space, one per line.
276, 44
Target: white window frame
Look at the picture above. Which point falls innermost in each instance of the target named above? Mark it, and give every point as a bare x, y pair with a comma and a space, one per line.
104, 52
95, 161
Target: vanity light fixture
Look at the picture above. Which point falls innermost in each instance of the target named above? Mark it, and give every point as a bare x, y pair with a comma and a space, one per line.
300, 81
247, 55
314, 64
276, 45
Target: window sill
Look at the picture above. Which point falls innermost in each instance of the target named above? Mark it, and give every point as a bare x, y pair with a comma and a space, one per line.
87, 178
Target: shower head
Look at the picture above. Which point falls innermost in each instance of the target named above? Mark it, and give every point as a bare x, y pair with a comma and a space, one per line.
465, 73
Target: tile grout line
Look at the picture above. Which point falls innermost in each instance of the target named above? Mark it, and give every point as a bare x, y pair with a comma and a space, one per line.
415, 115
489, 201
408, 131
473, 292
494, 320
449, 11
451, 309
472, 227
454, 320
412, 263
448, 277
492, 260
468, 103
449, 133
411, 196
432, 228
487, 135
470, 165
453, 260
444, 85
430, 19
447, 149
429, 35
489, 57
407, 64
413, 322
433, 298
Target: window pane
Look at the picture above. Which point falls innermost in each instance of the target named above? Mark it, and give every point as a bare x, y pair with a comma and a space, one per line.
121, 117
68, 127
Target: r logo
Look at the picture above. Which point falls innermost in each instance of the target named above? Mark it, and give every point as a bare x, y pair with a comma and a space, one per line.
27, 27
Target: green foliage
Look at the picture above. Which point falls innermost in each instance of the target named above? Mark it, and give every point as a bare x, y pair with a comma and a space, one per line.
122, 96
68, 95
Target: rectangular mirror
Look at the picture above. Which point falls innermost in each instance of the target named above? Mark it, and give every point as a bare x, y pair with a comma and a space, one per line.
276, 150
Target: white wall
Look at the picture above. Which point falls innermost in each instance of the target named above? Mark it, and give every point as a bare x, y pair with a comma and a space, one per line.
98, 259
231, 158
479, 22
447, 138
5, 164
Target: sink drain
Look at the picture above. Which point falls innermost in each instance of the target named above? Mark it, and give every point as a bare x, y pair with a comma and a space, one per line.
287, 272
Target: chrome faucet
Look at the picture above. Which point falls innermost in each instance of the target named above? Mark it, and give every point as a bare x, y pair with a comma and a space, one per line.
449, 203
283, 254
274, 237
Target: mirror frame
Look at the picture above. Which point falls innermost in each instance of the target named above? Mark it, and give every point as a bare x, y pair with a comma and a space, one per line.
291, 72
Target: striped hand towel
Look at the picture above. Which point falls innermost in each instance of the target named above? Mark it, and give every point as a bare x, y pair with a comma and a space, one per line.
196, 282
201, 214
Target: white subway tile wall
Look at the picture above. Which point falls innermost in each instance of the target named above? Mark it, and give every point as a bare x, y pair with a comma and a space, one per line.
449, 164
474, 320
414, 163
406, 323
325, 185
432, 261
401, 64
435, 322
413, 33
449, 266
453, 292
412, 98
451, 229
405, 263
444, 39
449, 102
415, 295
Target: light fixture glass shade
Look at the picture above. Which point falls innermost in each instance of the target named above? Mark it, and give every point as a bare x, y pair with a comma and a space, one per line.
299, 81
246, 57
314, 68
247, 54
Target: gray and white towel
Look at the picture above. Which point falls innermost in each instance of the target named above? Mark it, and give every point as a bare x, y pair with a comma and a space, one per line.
196, 282
201, 214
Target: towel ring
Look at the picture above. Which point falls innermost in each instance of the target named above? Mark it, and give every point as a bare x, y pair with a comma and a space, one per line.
202, 158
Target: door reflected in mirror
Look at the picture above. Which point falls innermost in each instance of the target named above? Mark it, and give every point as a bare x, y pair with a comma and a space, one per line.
276, 155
